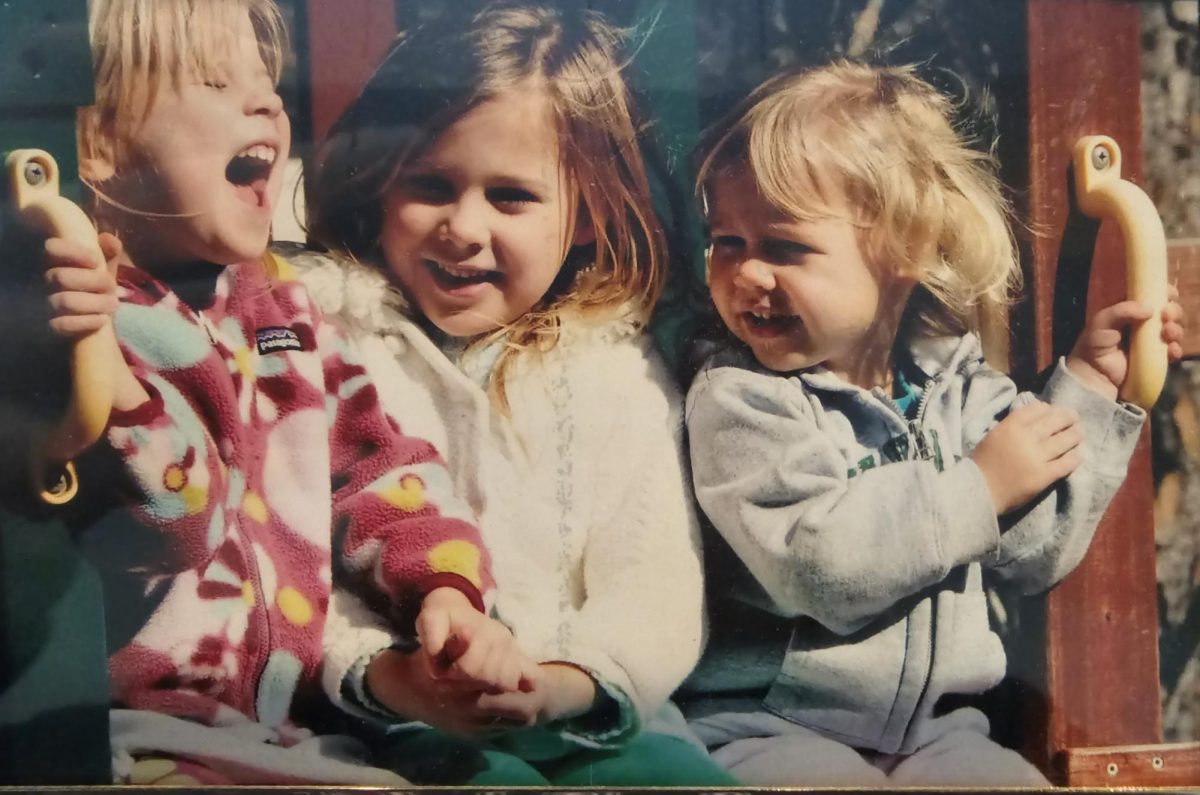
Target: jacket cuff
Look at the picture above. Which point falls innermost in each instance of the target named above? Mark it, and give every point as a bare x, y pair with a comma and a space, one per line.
447, 579
350, 643
609, 724
356, 699
615, 717
404, 613
144, 414
1112, 427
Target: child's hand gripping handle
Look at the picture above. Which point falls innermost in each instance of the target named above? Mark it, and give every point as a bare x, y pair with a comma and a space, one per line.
33, 180
1101, 193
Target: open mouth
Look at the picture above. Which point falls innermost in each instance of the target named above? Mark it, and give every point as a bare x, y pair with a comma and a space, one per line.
766, 324
249, 171
453, 277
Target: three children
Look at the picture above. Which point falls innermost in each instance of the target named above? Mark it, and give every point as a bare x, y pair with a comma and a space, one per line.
497, 259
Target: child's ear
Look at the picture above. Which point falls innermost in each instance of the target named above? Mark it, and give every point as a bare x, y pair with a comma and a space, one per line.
97, 150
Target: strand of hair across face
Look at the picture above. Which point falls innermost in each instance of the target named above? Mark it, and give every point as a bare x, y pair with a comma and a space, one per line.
104, 197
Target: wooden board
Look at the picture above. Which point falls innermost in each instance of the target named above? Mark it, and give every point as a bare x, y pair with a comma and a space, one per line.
1101, 666
1184, 265
347, 39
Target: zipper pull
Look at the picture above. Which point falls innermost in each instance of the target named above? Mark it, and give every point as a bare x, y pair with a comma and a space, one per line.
922, 448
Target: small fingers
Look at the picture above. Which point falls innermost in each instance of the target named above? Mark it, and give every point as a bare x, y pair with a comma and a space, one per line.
531, 675
510, 674
1172, 312
517, 709
67, 253
1103, 338
113, 250
1061, 443
110, 245
1120, 315
74, 303
1029, 413
77, 325
433, 628
477, 664
1053, 421
1064, 465
82, 280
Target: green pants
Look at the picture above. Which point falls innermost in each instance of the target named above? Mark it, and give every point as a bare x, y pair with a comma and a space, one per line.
428, 756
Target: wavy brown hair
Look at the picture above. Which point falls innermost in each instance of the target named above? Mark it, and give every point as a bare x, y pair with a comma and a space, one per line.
436, 73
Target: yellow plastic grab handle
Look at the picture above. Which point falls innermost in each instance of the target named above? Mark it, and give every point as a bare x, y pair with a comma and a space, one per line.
1101, 193
33, 182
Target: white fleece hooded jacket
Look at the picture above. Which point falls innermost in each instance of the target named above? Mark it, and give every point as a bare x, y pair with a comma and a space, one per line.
582, 492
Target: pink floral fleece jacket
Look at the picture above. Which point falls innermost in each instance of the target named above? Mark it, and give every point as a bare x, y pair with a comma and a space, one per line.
262, 464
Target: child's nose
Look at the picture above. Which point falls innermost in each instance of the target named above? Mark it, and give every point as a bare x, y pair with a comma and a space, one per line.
265, 101
754, 274
465, 224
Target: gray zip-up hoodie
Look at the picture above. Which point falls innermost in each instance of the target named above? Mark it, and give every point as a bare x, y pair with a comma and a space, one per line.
871, 535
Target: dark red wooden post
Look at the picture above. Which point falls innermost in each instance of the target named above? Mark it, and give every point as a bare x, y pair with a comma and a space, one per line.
346, 41
1101, 623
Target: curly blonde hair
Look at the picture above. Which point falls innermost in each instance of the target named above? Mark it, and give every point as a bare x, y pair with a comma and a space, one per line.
434, 75
881, 141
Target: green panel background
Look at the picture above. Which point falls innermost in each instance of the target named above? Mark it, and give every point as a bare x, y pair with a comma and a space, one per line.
53, 682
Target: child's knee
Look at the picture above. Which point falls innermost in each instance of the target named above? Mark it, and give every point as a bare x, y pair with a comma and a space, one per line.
793, 760
967, 758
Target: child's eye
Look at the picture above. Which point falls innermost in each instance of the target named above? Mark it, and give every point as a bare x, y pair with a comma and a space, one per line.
786, 250
512, 196
429, 187
219, 85
725, 242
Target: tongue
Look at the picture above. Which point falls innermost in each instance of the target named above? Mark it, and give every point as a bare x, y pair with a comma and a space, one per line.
253, 193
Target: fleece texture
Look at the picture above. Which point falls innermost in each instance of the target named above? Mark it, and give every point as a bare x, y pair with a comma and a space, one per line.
581, 490
262, 463
870, 541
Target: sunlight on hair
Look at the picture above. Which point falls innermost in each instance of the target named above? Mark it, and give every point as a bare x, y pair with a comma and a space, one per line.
578, 59
881, 143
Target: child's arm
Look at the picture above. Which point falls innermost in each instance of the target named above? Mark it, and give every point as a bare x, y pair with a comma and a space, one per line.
366, 674
560, 693
83, 297
398, 522
1044, 537
822, 543
468, 647
167, 450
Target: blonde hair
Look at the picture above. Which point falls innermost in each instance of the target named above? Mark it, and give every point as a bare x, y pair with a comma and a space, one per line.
139, 44
433, 76
880, 142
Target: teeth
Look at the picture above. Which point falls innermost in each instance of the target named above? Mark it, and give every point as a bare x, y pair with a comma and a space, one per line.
462, 273
260, 152
764, 314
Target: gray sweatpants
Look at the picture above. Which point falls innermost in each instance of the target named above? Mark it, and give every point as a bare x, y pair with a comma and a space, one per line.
761, 749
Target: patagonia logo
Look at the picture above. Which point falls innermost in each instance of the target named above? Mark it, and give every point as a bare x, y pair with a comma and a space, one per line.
277, 338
